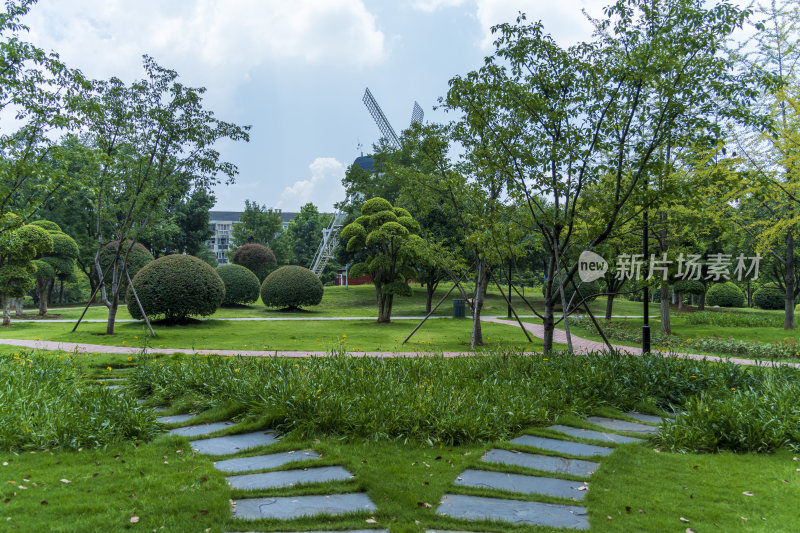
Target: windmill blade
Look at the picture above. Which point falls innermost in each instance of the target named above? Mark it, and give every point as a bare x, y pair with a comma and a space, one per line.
417, 113
380, 119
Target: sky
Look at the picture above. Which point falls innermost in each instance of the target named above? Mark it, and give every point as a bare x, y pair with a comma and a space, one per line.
296, 70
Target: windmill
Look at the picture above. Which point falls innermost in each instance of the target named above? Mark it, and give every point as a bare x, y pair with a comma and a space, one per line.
330, 235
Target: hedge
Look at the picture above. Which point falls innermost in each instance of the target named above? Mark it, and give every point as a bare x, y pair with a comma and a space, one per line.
291, 286
257, 258
175, 287
769, 297
725, 295
241, 285
138, 257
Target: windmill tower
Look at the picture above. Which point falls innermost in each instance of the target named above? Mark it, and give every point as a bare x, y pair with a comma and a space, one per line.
330, 235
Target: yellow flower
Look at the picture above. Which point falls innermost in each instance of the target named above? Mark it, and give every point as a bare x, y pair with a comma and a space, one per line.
109, 368
136, 336
545, 359
235, 369
130, 358
692, 376
37, 338
344, 336
123, 342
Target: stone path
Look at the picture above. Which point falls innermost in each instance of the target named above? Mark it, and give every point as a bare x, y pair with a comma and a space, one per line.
517, 511
580, 345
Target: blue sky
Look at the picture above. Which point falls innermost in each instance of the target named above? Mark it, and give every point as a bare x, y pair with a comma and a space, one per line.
295, 70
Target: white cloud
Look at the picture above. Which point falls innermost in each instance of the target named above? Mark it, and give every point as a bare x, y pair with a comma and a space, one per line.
323, 189
562, 19
429, 6
215, 39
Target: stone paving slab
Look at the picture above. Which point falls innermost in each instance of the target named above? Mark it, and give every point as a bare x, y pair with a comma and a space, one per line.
653, 419
621, 425
288, 478
285, 508
233, 443
560, 488
200, 429
175, 419
562, 446
160, 409
112, 387
514, 511
596, 435
547, 463
264, 462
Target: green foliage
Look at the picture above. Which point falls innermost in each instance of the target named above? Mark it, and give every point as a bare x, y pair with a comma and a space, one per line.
689, 286
176, 287
291, 286
47, 225
138, 257
586, 292
241, 285
769, 297
738, 320
18, 246
65, 412
305, 233
256, 257
256, 224
44, 270
725, 295
431, 399
758, 418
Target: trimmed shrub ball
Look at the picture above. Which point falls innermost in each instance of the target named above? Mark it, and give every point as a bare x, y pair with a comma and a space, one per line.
291, 286
241, 285
138, 257
256, 257
175, 287
769, 297
689, 286
725, 295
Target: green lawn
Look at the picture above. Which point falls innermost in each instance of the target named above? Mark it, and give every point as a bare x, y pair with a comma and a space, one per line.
438, 335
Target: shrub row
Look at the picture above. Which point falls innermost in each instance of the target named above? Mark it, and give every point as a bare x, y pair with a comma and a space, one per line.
739, 320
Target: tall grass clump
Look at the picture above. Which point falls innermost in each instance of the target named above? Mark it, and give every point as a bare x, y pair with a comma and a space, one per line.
429, 399
727, 319
43, 404
749, 419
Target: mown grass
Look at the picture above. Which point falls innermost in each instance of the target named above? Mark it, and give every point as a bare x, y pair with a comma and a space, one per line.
440, 335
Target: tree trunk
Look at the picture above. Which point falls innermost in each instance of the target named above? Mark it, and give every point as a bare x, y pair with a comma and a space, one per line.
680, 300
6, 313
701, 304
548, 322
788, 315
609, 305
61, 293
431, 288
18, 306
481, 282
666, 325
41, 287
112, 314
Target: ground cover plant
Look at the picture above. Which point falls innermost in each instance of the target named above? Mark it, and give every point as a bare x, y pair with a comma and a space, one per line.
44, 404
430, 399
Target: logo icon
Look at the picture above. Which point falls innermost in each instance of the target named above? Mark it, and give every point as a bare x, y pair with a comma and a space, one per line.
591, 266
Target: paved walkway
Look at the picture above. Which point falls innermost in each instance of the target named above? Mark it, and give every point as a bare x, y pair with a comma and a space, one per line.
579, 344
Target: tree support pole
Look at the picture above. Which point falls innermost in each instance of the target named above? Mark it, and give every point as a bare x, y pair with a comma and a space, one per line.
139, 303
594, 321
434, 309
89, 303
510, 308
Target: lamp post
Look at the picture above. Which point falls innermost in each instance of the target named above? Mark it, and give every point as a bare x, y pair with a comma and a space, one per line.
645, 289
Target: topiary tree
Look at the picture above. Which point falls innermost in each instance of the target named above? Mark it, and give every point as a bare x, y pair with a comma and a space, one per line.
688, 286
241, 285
725, 295
60, 260
19, 244
175, 287
388, 236
292, 287
256, 257
769, 297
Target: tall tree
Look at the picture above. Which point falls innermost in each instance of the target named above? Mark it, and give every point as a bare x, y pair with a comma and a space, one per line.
256, 224
305, 233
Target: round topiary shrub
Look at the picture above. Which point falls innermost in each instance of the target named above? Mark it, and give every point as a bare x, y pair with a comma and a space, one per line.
725, 295
769, 297
175, 287
137, 258
689, 286
241, 285
291, 286
256, 257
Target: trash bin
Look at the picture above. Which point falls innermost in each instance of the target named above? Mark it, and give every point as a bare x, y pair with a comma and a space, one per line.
459, 308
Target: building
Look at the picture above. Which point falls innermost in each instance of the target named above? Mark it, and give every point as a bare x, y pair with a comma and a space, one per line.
222, 222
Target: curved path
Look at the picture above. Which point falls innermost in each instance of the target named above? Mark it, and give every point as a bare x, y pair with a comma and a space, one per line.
579, 344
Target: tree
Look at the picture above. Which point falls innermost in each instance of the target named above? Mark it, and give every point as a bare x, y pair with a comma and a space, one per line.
387, 235
56, 264
548, 122
305, 233
256, 224
19, 245
150, 137
255, 257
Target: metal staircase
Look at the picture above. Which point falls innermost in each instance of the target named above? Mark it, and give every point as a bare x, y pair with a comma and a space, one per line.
326, 249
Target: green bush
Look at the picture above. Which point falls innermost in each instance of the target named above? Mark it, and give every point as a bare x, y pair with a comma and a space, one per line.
138, 257
291, 286
732, 319
241, 285
63, 411
259, 259
725, 295
769, 297
47, 225
175, 287
689, 286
